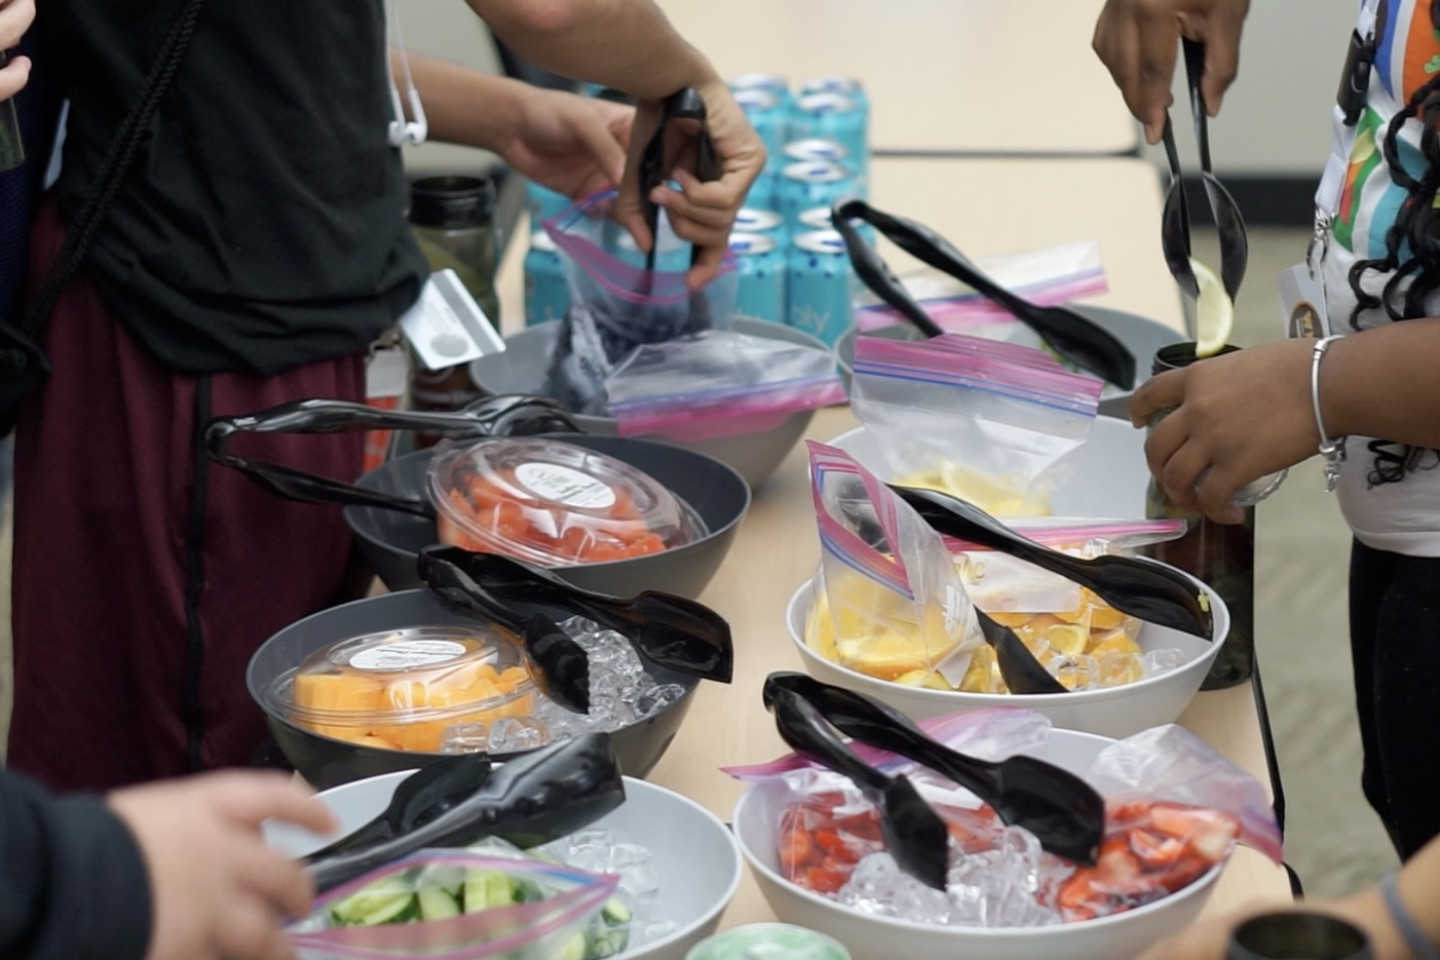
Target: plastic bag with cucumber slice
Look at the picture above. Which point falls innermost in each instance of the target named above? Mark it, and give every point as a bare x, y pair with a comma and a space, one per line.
466, 905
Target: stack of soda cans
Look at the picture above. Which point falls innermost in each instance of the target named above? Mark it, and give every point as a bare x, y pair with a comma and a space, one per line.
792, 264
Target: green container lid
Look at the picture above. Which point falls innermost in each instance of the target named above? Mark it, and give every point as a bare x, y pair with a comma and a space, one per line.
769, 941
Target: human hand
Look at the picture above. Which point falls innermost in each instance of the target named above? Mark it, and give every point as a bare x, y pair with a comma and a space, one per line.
1239, 417
1137, 41
700, 212
15, 18
575, 145
216, 889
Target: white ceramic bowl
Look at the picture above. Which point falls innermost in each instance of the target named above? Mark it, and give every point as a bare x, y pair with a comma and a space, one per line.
1115, 712
1118, 937
1109, 480
696, 856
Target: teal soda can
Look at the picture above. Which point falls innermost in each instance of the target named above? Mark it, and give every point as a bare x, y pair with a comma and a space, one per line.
836, 83
547, 295
760, 267
542, 203
818, 218
834, 116
769, 941
819, 149
769, 82
771, 119
763, 220
810, 184
820, 285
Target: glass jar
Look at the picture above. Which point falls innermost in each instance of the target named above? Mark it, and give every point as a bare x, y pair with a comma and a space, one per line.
453, 219
1219, 554
1291, 934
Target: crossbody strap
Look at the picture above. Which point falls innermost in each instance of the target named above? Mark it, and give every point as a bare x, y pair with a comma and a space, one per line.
110, 178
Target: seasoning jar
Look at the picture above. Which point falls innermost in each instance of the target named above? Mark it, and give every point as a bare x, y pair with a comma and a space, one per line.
1219, 554
1314, 936
453, 219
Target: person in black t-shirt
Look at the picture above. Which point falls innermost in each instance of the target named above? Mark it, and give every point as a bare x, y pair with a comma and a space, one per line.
257, 248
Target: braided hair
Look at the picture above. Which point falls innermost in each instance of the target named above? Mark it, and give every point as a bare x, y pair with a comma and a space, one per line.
1417, 231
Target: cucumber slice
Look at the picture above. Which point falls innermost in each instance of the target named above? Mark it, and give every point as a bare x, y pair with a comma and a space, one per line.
385, 898
436, 903
615, 913
573, 949
606, 942
485, 889
449, 879
526, 891
399, 911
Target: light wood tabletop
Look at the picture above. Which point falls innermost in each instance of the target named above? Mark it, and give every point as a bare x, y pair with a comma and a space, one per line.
984, 207
943, 76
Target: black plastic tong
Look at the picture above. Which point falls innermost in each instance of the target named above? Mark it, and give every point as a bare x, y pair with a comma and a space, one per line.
508, 415
1061, 810
1175, 217
685, 104
665, 631
533, 799
1075, 337
1149, 591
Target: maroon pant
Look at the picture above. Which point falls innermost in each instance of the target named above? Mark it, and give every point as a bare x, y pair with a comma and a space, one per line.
144, 578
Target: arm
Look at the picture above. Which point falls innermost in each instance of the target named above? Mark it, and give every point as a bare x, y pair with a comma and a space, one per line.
1137, 41
72, 879
1247, 414
1419, 889
631, 46
568, 143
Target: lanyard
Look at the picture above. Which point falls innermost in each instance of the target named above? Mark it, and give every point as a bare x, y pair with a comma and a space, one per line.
1349, 104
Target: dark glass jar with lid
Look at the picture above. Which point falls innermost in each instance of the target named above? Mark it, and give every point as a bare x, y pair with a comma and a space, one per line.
453, 219
1219, 554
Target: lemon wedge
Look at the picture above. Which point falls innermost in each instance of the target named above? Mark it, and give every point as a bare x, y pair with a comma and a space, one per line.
1214, 312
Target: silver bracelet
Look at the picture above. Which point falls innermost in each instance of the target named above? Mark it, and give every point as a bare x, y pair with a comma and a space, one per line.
1416, 941
1332, 449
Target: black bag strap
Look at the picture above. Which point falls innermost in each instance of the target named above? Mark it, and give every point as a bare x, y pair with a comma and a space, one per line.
105, 188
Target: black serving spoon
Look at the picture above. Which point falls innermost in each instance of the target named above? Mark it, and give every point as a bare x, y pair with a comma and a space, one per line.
914, 833
1073, 336
421, 797
1063, 812
1023, 674
530, 800
666, 631
1154, 593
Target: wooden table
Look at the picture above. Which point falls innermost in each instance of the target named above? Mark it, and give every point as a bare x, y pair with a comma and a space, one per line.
985, 207
943, 76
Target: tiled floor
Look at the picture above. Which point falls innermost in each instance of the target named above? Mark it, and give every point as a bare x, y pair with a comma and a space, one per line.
1333, 840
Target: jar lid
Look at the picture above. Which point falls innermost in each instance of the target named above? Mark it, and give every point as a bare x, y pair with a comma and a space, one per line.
553, 503
452, 201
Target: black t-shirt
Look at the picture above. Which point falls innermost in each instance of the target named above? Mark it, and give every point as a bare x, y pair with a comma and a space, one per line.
263, 225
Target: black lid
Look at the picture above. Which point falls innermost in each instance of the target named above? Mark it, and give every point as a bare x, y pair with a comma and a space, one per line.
452, 201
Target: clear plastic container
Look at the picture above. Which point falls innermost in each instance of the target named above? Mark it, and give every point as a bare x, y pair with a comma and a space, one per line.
553, 503
420, 688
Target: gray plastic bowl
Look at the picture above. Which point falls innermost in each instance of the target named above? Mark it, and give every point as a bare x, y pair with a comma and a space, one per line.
523, 366
391, 540
326, 761
1142, 335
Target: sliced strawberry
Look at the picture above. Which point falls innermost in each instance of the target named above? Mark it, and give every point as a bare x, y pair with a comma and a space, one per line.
1155, 852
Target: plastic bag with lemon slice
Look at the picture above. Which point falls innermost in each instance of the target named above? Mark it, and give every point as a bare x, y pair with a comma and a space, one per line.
889, 600
998, 424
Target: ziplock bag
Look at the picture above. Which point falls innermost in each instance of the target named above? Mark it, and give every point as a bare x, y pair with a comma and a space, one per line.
890, 603
1046, 277
999, 430
617, 304
458, 905
1174, 809
719, 383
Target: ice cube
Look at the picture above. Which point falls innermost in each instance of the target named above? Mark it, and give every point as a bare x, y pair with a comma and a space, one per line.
1118, 669
877, 886
514, 734
656, 699
656, 929
635, 865
589, 850
1079, 672
577, 627
1157, 662
465, 738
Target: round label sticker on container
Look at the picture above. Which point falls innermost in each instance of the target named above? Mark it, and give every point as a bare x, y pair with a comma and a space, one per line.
551, 481
407, 655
